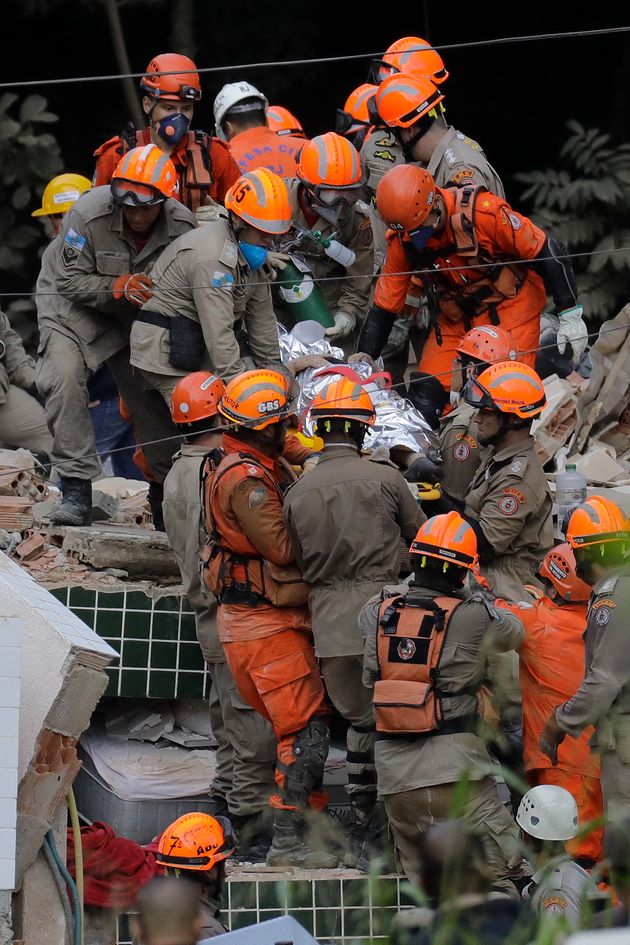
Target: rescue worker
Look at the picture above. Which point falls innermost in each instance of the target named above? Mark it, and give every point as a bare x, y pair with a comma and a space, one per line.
195, 847
167, 912
324, 198
560, 888
325, 514
22, 419
60, 194
600, 538
246, 745
98, 268
426, 650
263, 619
205, 168
461, 453
508, 504
212, 303
551, 660
353, 120
284, 122
240, 118
463, 244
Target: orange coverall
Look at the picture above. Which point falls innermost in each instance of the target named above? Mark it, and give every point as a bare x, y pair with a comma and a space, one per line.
269, 649
262, 147
551, 670
224, 170
502, 234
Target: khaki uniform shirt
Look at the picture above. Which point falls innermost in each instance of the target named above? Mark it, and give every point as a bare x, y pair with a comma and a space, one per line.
346, 519
461, 452
352, 294
603, 699
204, 277
460, 160
560, 889
91, 251
182, 510
379, 153
509, 497
16, 366
475, 632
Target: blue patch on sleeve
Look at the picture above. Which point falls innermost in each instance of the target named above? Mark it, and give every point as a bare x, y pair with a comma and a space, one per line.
222, 278
75, 240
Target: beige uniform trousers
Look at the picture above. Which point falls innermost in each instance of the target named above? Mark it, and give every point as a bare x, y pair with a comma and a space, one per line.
23, 424
343, 678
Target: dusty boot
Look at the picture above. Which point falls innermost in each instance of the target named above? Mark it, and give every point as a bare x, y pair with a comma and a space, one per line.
368, 835
75, 507
254, 836
289, 849
155, 496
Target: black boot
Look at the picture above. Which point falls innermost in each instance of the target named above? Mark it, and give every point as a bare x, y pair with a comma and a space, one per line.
155, 496
75, 507
254, 836
368, 835
289, 849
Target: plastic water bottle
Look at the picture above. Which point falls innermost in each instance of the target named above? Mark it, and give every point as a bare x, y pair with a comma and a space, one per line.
570, 492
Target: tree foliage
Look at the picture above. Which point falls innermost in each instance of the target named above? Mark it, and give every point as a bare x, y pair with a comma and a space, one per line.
587, 205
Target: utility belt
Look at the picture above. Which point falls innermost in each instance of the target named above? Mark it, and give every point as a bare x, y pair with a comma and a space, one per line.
238, 593
463, 724
186, 342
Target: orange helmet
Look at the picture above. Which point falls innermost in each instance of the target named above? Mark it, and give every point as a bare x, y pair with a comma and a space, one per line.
558, 567
182, 85
283, 122
255, 400
596, 522
488, 344
261, 199
195, 841
448, 538
402, 100
144, 176
509, 387
405, 197
196, 397
346, 399
355, 114
329, 161
410, 54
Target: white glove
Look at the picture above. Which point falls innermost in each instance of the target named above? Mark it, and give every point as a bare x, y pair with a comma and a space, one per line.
277, 262
344, 324
573, 330
209, 212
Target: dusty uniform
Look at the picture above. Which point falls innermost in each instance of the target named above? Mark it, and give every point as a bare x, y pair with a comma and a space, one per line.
461, 451
603, 699
509, 501
247, 747
205, 168
551, 662
349, 290
560, 890
22, 420
262, 147
268, 646
87, 326
424, 778
206, 294
346, 563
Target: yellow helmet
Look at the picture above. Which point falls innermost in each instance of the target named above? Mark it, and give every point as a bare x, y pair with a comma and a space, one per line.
61, 193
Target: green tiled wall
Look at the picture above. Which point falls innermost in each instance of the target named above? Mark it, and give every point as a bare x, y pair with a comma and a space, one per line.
156, 640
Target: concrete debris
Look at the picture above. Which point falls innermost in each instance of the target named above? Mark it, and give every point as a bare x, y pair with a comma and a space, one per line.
599, 467
104, 507
15, 513
31, 548
557, 422
140, 552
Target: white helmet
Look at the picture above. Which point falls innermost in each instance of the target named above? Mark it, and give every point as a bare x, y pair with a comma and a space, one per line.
228, 100
548, 812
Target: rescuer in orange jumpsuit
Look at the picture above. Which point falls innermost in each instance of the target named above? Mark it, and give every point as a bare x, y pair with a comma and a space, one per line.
551, 670
467, 246
263, 618
205, 168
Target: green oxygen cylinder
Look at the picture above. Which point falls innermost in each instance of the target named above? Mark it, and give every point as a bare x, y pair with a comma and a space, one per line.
300, 296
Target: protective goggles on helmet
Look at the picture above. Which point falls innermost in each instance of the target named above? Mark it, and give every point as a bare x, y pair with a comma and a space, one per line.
345, 121
380, 69
187, 93
135, 195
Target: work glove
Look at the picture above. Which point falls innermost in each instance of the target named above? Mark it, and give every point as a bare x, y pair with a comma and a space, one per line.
423, 469
310, 463
344, 324
572, 330
134, 287
552, 736
277, 262
295, 365
210, 212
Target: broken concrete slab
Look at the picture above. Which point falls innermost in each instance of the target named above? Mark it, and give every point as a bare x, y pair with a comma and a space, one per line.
104, 506
598, 466
140, 552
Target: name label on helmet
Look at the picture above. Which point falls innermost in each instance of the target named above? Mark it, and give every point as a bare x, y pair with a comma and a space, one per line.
269, 406
66, 196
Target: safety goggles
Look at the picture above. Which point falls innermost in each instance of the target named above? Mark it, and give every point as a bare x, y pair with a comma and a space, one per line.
186, 93
332, 198
135, 195
346, 122
380, 69
477, 396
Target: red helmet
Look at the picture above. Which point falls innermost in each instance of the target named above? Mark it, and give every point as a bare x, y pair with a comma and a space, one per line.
405, 196
179, 84
488, 344
410, 54
558, 567
196, 397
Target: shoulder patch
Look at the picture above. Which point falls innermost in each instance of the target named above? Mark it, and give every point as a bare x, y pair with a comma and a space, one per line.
508, 505
461, 451
472, 144
555, 904
602, 617
257, 497
604, 602
517, 466
518, 495
385, 155
222, 278
466, 174
229, 253
515, 221
75, 240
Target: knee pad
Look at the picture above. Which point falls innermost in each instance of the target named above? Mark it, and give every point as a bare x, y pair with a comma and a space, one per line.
311, 750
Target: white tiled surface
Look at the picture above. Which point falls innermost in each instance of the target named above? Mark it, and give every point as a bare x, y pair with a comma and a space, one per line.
7, 874
8, 782
8, 751
10, 659
9, 688
8, 813
7, 844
